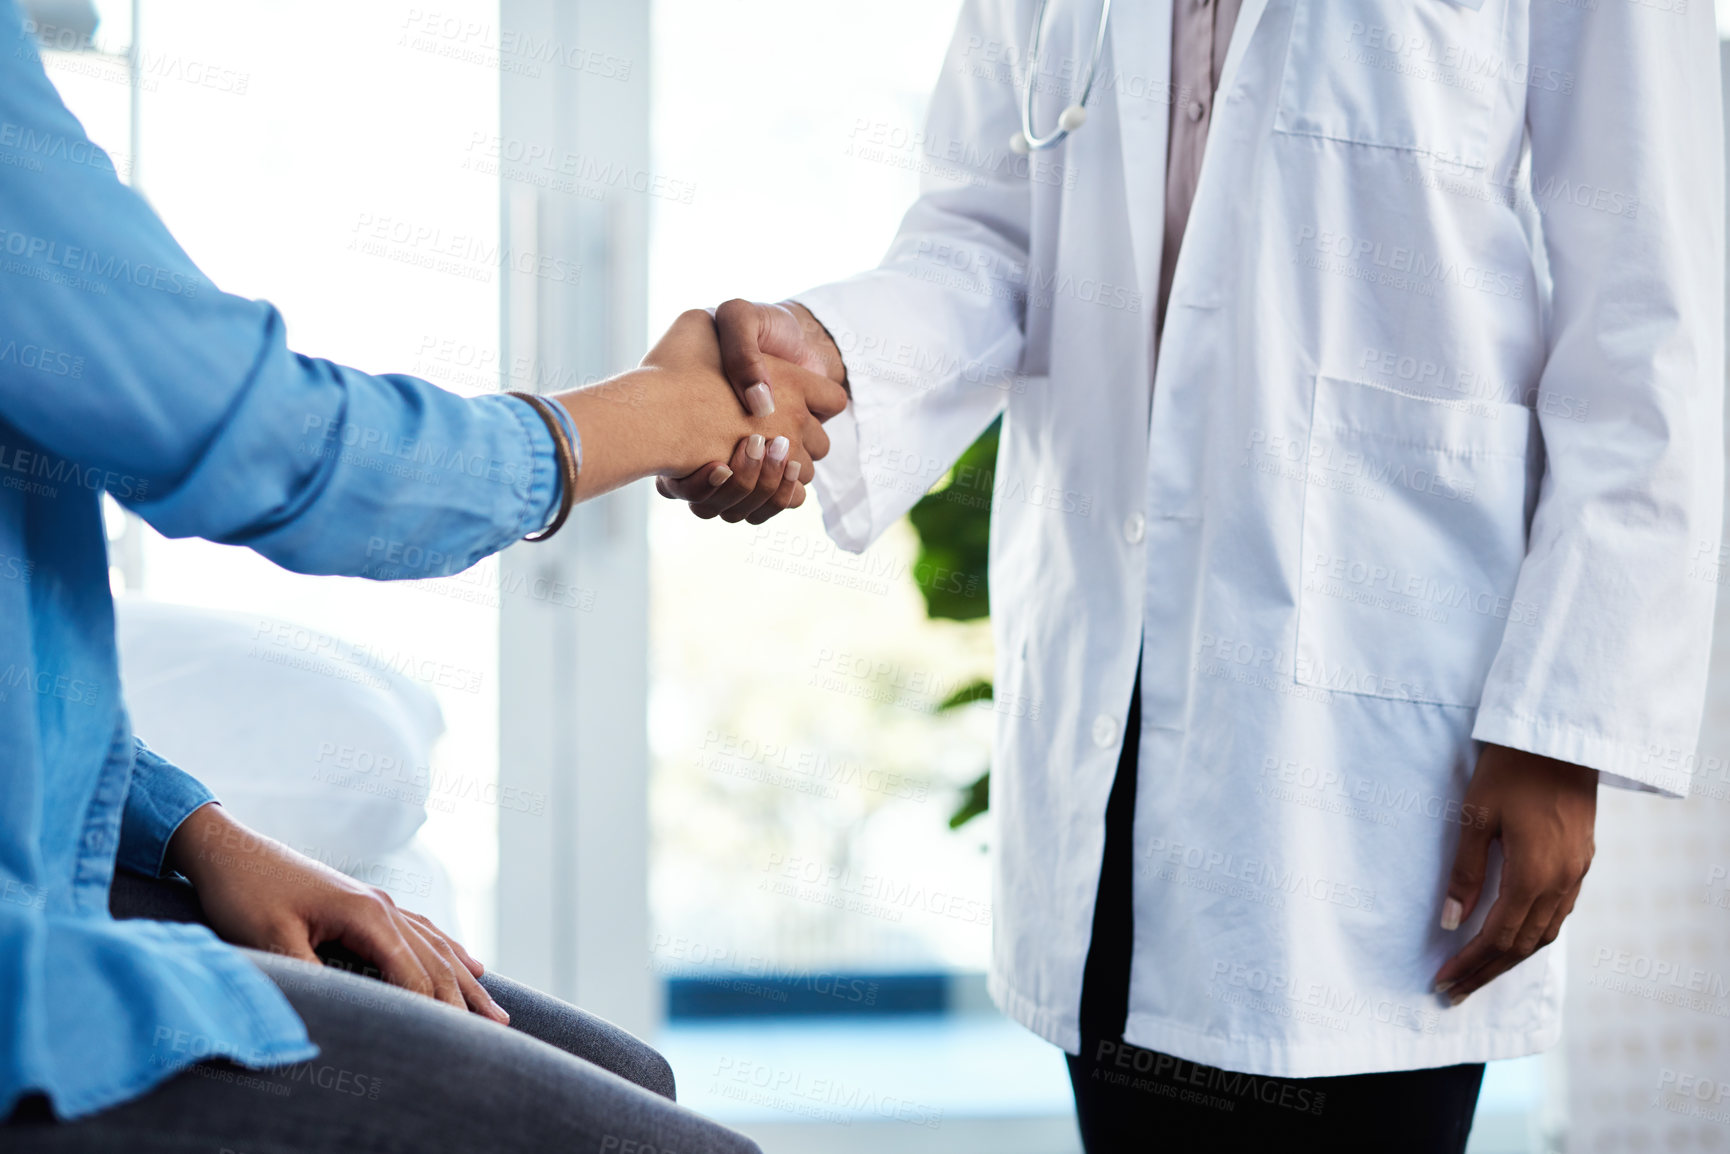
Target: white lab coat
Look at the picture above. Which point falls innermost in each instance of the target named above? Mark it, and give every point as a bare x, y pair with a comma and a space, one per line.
1390, 492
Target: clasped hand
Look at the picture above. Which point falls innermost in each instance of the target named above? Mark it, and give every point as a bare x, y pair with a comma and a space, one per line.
773, 356
742, 458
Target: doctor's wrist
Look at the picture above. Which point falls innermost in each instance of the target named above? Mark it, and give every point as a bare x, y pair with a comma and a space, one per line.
821, 343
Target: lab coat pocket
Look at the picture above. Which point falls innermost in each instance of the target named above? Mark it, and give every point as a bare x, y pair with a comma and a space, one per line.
1419, 75
1414, 528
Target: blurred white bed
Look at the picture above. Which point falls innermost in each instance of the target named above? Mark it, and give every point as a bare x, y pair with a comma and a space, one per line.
305, 737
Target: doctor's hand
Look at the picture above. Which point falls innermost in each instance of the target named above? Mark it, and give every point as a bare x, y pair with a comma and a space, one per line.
754, 338
257, 892
1543, 811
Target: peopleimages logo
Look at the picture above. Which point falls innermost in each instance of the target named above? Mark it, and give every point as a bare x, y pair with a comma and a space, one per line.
325, 435
1421, 588
102, 267
52, 362
1398, 266
52, 471
24, 140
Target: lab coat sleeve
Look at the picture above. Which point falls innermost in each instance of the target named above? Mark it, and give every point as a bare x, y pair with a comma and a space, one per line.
1623, 555
929, 335
159, 797
122, 368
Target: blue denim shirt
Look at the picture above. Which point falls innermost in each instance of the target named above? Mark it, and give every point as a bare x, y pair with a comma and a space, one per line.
122, 369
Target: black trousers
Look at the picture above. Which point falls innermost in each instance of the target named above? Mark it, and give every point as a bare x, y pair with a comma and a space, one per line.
1130, 1100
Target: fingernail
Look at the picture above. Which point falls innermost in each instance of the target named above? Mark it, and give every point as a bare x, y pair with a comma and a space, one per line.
1452, 911
1457, 999
719, 476
754, 447
759, 400
792, 473
1443, 987
778, 449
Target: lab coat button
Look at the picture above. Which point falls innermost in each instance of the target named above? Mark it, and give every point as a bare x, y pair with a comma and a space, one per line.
1134, 528
1104, 731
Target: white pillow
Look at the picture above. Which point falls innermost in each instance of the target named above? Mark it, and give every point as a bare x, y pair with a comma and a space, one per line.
292, 729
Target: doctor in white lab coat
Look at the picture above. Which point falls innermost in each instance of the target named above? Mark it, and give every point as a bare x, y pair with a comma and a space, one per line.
1423, 475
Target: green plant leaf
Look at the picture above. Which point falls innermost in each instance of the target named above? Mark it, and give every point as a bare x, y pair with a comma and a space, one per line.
980, 690
974, 801
953, 522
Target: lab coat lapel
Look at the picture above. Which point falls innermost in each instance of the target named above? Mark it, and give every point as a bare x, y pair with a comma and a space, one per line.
1140, 39
1247, 18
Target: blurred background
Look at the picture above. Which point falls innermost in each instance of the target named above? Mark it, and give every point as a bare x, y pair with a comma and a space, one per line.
720, 784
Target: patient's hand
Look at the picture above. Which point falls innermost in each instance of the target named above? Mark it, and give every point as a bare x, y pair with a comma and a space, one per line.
676, 414
259, 893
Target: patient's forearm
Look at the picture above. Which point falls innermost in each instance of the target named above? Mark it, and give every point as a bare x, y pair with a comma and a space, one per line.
632, 427
189, 850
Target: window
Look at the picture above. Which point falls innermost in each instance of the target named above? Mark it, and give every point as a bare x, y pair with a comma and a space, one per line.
802, 867
319, 158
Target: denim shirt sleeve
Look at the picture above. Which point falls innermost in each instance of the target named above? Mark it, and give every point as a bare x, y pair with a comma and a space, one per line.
186, 403
160, 797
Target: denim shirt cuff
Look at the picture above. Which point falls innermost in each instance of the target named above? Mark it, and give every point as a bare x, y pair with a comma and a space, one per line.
161, 796
547, 488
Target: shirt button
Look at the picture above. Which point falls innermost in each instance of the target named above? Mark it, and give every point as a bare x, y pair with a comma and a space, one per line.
1197, 110
1134, 528
1104, 731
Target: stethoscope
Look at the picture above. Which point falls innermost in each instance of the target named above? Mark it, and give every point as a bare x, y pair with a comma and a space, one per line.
1075, 115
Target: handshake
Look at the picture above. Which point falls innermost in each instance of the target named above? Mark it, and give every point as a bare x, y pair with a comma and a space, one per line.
726, 411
